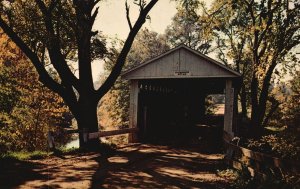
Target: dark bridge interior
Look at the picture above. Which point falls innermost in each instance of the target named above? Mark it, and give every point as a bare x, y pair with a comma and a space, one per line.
172, 111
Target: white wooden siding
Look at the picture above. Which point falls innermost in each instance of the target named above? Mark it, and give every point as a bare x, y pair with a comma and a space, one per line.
180, 63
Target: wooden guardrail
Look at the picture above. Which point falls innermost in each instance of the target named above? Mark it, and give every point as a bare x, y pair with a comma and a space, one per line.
87, 136
111, 133
257, 163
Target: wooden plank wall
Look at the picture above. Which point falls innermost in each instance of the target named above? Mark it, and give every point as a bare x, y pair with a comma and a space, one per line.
179, 64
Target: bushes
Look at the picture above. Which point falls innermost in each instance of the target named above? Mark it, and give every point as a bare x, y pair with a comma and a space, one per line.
242, 179
281, 146
28, 110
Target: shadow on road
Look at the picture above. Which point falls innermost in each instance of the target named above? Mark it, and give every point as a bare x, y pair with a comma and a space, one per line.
156, 166
189, 158
14, 173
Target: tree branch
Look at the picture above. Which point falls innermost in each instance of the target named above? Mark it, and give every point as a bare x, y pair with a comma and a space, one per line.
274, 107
94, 15
44, 76
42, 6
53, 46
95, 3
269, 22
127, 15
53, 5
127, 45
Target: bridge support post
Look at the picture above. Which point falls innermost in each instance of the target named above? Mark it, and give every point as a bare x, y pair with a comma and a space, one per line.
133, 109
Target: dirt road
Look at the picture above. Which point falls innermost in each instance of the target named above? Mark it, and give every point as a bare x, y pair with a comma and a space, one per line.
134, 166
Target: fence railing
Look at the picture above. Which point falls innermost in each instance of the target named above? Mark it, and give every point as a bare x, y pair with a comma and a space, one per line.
87, 136
257, 163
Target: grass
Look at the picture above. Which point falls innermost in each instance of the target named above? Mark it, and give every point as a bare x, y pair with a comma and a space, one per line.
104, 148
65, 151
23, 155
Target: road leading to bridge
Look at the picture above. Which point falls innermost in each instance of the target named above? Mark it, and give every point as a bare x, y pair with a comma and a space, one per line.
132, 166
153, 166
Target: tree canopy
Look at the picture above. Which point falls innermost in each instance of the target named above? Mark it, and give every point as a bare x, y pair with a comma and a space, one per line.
28, 110
187, 27
115, 104
59, 31
257, 37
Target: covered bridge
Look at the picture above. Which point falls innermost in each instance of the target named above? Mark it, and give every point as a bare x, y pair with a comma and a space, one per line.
168, 92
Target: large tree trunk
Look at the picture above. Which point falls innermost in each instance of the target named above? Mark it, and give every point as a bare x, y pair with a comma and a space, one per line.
84, 110
270, 113
259, 106
255, 108
264, 95
87, 121
235, 127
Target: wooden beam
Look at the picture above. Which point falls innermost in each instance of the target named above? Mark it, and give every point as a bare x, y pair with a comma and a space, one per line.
133, 109
112, 133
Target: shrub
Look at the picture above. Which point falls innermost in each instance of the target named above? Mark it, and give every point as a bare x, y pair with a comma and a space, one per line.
242, 179
283, 146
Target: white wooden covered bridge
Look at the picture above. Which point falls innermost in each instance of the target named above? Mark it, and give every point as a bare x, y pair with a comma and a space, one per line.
170, 89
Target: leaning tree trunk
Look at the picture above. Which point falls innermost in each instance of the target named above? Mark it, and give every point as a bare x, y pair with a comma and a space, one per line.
243, 101
259, 106
255, 108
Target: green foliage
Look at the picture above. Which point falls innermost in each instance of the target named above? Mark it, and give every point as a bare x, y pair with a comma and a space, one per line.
23, 155
67, 151
210, 103
187, 27
281, 146
114, 106
272, 181
56, 34
255, 37
26, 19
292, 106
242, 179
9, 94
28, 110
284, 121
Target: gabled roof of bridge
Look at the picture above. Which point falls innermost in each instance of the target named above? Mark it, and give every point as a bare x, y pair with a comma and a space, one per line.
180, 62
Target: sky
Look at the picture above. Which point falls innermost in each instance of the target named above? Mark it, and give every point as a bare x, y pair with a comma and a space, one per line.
112, 22
112, 17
